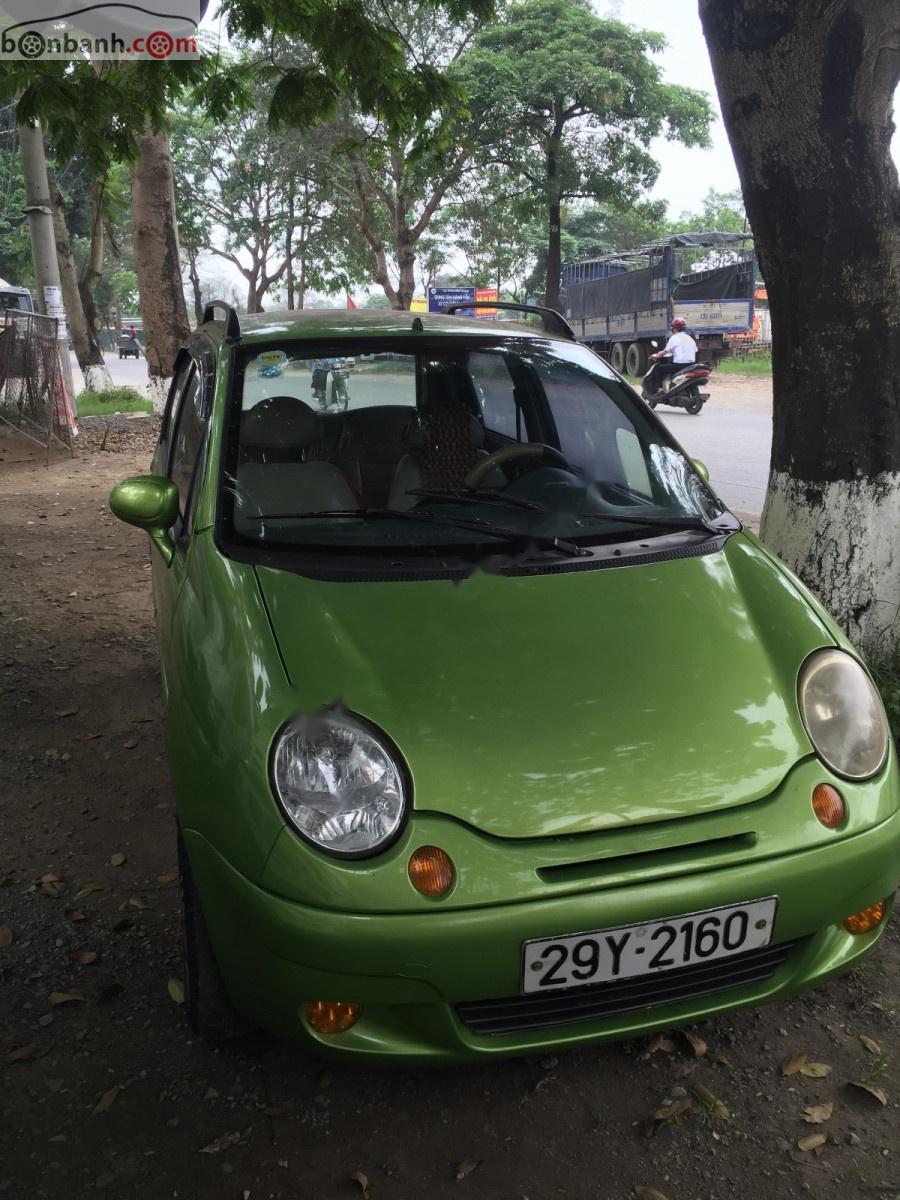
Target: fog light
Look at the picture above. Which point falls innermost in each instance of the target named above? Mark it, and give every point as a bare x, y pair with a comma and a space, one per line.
332, 1016
431, 871
863, 922
828, 805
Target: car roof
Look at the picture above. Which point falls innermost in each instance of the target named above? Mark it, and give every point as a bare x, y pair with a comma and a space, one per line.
328, 323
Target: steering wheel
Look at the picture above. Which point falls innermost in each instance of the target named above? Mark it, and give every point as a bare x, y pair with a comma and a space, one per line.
506, 454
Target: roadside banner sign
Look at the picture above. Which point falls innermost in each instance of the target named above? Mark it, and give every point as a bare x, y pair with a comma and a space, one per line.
439, 298
483, 295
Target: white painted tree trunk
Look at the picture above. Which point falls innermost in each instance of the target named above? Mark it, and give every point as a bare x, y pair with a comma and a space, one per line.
158, 390
842, 539
97, 377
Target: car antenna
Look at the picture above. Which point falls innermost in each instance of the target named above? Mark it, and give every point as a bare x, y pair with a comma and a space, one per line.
417, 326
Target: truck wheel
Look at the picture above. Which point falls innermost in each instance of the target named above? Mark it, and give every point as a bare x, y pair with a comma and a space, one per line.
617, 358
636, 359
209, 1010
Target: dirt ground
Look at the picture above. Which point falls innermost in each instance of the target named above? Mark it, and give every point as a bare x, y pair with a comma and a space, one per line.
105, 1091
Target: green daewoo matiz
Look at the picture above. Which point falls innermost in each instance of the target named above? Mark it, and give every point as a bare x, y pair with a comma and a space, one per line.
490, 728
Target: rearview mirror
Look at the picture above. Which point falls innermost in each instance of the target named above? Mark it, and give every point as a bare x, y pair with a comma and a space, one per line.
151, 503
701, 469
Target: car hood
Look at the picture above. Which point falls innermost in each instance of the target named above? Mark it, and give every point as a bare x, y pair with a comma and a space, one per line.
564, 703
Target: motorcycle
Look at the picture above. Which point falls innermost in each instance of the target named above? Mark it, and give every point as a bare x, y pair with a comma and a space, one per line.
329, 386
681, 389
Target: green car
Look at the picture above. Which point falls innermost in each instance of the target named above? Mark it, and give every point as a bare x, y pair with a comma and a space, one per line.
491, 729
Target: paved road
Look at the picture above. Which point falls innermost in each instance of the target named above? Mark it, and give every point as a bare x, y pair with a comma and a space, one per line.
734, 445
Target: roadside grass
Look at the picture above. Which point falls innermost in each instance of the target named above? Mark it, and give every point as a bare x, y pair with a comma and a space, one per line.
756, 364
113, 400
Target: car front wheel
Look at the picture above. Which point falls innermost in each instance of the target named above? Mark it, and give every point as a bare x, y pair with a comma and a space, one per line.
210, 1012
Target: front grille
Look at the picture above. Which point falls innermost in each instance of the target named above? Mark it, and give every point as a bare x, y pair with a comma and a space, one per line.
514, 1014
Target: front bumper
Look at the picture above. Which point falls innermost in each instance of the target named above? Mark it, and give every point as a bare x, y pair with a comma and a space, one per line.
410, 970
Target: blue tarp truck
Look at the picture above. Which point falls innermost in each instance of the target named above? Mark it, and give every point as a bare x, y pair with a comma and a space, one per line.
620, 304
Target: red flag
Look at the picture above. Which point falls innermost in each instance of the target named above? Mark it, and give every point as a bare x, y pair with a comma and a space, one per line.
350, 303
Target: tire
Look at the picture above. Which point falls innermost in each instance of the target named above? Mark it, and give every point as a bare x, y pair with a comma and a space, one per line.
636, 359
121, 356
617, 358
694, 402
209, 1010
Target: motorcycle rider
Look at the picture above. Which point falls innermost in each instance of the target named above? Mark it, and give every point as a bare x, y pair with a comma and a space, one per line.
680, 351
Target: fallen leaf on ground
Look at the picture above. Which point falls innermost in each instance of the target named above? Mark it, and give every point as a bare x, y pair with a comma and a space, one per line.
645, 1193
22, 1054
52, 885
817, 1113
716, 1057
107, 1100
134, 902
116, 860
793, 1065
85, 957
176, 990
697, 1043
466, 1167
86, 889
363, 1181
166, 878
870, 1044
67, 712
717, 1106
661, 1042
6, 937
74, 914
815, 1070
223, 1143
812, 1141
677, 1108
66, 997
130, 744
879, 1093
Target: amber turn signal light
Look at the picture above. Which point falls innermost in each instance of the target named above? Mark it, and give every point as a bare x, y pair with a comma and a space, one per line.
332, 1016
828, 805
868, 919
431, 871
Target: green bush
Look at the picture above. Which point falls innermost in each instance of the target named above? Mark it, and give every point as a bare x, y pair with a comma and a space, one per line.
887, 675
113, 400
754, 364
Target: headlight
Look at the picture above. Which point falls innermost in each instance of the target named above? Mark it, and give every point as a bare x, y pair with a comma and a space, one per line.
843, 714
339, 784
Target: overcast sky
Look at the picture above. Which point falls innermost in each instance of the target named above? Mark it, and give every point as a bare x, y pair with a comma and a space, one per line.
686, 175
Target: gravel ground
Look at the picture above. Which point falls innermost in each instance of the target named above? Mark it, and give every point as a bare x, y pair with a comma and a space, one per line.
104, 1091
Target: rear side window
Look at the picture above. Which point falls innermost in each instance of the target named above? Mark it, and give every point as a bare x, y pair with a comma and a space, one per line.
187, 440
496, 393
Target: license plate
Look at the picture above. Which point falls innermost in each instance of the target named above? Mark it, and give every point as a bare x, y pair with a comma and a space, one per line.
649, 948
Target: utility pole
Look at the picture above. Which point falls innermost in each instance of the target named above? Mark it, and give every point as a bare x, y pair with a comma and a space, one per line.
43, 238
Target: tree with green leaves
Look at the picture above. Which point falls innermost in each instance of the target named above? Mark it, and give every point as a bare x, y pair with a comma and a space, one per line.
575, 102
722, 211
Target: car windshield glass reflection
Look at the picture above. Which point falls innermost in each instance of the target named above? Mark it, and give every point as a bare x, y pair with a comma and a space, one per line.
527, 439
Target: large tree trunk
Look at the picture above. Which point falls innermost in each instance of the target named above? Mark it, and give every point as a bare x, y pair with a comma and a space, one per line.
806, 88
87, 347
156, 260
93, 270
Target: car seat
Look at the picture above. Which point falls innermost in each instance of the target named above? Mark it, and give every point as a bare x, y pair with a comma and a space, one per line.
443, 441
278, 473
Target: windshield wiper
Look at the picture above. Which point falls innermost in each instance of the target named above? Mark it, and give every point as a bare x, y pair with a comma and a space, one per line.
477, 496
652, 521
473, 524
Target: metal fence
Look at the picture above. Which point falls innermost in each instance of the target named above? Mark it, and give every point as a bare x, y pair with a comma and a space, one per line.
33, 394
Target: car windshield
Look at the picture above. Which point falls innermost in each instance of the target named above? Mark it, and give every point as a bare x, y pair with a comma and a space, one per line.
375, 447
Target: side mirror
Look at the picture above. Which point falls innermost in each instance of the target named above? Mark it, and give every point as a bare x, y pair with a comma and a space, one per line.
151, 503
701, 468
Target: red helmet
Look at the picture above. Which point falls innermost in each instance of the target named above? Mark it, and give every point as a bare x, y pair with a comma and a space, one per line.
678, 325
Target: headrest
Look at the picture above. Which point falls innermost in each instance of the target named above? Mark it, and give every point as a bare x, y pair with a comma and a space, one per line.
443, 421
280, 422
